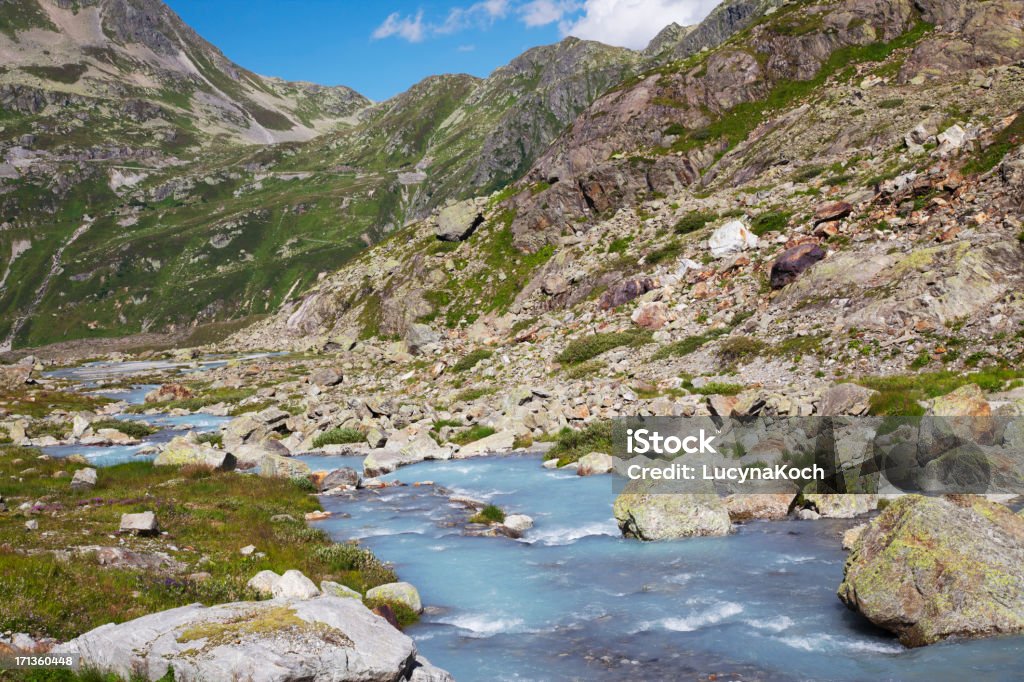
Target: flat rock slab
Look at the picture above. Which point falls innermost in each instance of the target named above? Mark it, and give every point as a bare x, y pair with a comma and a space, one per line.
329, 638
140, 524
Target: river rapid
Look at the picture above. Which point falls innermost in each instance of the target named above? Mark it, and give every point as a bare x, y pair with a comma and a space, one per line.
572, 600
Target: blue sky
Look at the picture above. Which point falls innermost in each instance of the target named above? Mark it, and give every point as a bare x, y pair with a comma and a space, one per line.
381, 47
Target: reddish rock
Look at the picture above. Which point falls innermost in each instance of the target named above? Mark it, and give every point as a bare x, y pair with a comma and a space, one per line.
836, 210
791, 264
650, 315
169, 392
829, 228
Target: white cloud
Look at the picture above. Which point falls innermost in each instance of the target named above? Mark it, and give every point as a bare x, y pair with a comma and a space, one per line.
410, 28
544, 12
632, 23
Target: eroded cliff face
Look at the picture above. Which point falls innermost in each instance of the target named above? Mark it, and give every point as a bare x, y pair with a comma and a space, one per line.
673, 127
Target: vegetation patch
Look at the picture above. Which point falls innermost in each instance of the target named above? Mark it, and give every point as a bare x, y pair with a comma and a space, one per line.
1006, 141
489, 515
694, 221
338, 437
589, 347
898, 396
571, 444
127, 427
210, 515
469, 361
472, 434
740, 349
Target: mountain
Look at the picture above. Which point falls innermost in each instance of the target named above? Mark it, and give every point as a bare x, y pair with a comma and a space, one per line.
832, 192
149, 184
132, 51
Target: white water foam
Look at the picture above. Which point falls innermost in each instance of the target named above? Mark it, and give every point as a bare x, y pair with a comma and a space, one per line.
716, 614
484, 625
775, 625
566, 535
823, 642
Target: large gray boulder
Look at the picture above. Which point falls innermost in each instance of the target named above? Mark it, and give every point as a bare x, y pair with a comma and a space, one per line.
276, 466
324, 639
646, 511
402, 593
457, 222
932, 568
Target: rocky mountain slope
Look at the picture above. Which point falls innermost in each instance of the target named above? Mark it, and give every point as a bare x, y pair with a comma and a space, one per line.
833, 192
133, 199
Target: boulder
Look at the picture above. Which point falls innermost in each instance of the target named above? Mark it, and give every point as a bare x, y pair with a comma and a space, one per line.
932, 568
651, 315
458, 222
845, 399
84, 479
732, 238
139, 524
187, 450
13, 377
834, 210
402, 593
294, 585
496, 443
760, 506
326, 376
276, 466
836, 506
244, 430
169, 392
419, 337
317, 640
339, 477
645, 512
554, 284
625, 291
595, 463
263, 583
518, 523
792, 263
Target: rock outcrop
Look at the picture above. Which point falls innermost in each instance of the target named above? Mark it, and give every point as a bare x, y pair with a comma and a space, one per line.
930, 568
652, 511
317, 640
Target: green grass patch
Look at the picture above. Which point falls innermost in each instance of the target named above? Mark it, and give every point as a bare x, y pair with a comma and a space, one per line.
898, 396
489, 515
571, 444
207, 518
1006, 141
472, 434
589, 347
127, 427
694, 221
471, 360
740, 349
338, 437
775, 221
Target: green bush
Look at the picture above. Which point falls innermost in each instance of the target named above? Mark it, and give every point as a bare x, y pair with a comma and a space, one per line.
688, 345
693, 221
740, 349
589, 347
472, 434
488, 515
471, 360
770, 222
338, 437
571, 444
129, 428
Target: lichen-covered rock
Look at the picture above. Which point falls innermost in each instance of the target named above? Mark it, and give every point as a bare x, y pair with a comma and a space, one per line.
762, 506
263, 583
595, 463
276, 466
169, 392
840, 506
646, 511
317, 640
402, 593
931, 568
458, 221
183, 450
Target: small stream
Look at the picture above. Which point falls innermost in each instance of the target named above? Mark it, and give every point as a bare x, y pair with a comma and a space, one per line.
574, 601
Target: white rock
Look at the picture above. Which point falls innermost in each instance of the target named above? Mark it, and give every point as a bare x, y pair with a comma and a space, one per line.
731, 238
263, 582
141, 524
518, 522
294, 585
